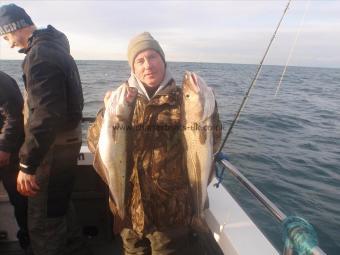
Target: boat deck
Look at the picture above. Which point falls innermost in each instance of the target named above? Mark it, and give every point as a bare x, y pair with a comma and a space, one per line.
97, 247
231, 226
90, 199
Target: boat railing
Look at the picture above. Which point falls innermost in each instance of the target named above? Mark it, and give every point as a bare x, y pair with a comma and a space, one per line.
294, 238
291, 241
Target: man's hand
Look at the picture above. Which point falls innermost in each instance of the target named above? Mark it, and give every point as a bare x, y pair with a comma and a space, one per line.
27, 184
4, 158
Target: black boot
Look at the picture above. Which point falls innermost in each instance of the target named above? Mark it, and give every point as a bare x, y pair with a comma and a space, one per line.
24, 242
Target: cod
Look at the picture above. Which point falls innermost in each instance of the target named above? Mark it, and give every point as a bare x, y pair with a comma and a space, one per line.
198, 105
111, 165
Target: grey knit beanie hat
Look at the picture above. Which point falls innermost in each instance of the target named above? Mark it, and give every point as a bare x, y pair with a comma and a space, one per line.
141, 42
12, 18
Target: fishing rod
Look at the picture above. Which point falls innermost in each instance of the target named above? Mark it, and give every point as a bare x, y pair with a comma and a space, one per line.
292, 47
245, 99
299, 233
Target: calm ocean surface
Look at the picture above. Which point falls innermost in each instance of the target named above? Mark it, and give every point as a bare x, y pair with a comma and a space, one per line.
288, 146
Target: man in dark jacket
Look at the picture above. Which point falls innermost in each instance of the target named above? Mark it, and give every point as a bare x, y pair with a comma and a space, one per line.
52, 116
11, 138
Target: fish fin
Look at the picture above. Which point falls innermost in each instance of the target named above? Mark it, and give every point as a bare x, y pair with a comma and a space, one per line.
118, 223
99, 166
101, 171
112, 205
115, 129
114, 208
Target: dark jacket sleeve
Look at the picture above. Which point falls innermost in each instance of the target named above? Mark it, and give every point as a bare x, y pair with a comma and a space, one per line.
45, 85
11, 118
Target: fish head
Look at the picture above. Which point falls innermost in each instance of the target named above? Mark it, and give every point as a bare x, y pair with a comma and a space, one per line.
127, 98
193, 99
120, 103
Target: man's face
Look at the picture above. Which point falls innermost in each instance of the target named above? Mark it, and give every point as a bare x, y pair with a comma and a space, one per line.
149, 68
16, 39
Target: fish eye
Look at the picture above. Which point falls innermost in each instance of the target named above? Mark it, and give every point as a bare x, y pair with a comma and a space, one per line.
187, 95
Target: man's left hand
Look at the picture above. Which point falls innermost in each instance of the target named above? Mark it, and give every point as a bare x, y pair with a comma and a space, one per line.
27, 184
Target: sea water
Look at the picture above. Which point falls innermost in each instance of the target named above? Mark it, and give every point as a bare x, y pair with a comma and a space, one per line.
288, 145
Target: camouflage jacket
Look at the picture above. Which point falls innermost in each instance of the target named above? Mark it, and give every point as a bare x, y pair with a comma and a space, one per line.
158, 193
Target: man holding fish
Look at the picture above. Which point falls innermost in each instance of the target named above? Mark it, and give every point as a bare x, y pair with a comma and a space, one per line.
157, 166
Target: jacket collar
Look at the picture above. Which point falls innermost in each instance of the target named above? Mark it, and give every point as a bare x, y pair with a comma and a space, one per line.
135, 82
168, 95
54, 37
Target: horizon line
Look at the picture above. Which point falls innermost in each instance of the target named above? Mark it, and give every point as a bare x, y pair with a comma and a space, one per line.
195, 62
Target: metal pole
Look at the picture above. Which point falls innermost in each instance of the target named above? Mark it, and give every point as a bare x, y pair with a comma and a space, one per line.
276, 212
245, 99
272, 208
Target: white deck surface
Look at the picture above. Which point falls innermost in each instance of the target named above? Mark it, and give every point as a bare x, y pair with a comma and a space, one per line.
235, 232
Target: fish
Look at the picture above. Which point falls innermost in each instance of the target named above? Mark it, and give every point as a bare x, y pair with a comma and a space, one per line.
198, 105
112, 147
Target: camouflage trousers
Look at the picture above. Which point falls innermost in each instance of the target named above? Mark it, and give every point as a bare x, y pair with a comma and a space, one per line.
175, 241
52, 222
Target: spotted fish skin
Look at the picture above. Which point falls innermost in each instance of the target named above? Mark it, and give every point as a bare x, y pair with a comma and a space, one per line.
112, 145
198, 107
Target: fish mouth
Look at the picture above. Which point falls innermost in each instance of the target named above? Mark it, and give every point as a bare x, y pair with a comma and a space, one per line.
192, 79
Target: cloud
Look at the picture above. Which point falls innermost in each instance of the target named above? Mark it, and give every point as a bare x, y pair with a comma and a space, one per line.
213, 31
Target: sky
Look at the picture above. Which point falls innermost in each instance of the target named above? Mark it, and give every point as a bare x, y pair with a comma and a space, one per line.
195, 31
